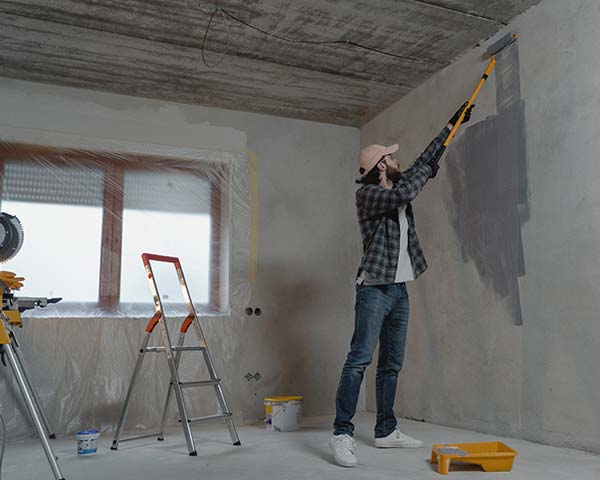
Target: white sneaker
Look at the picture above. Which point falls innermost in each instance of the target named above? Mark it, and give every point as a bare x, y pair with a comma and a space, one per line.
397, 439
343, 447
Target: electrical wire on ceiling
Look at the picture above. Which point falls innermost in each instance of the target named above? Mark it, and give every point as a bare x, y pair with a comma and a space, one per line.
206, 36
349, 43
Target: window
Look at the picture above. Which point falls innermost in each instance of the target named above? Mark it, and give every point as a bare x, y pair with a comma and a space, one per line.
89, 216
160, 215
53, 267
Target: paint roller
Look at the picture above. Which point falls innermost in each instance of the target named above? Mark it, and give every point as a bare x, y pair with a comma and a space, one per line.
490, 53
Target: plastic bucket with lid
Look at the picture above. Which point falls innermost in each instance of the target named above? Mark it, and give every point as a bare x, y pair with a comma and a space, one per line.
283, 414
87, 442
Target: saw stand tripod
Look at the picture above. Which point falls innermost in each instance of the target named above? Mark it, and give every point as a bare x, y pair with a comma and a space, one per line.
9, 347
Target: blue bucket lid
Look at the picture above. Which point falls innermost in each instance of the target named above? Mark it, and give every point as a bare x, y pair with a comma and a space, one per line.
88, 432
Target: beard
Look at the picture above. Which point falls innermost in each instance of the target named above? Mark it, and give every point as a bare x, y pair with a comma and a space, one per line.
394, 175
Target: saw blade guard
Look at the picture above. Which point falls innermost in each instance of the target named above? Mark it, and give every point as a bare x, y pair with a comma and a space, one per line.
11, 236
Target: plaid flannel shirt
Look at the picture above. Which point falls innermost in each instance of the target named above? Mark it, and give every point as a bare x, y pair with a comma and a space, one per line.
377, 210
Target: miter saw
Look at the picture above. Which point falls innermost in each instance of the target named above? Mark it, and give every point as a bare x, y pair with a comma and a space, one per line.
11, 240
11, 236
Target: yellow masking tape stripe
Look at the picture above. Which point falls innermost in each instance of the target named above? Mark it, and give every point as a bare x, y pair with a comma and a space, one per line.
253, 217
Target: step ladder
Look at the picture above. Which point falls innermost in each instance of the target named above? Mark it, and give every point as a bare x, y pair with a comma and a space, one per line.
174, 353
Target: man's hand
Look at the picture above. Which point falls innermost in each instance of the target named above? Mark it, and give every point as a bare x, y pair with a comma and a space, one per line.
434, 169
458, 113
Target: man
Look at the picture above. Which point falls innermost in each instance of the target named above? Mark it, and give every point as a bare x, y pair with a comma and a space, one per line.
391, 257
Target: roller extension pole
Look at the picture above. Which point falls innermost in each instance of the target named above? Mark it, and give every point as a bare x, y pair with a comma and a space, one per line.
484, 77
490, 53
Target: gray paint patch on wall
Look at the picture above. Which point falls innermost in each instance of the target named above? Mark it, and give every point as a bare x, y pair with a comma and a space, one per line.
484, 170
508, 81
508, 93
487, 169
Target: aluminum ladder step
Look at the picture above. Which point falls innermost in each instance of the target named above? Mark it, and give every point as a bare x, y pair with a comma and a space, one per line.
209, 418
176, 348
135, 437
201, 383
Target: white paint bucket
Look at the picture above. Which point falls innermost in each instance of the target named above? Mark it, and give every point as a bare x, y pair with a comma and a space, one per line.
283, 414
87, 442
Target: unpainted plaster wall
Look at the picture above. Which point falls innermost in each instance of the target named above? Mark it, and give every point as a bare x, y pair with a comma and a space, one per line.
468, 364
308, 246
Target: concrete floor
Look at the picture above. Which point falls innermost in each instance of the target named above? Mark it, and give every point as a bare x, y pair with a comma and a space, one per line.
295, 455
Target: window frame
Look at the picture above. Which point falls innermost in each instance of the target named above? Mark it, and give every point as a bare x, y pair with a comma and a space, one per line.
114, 165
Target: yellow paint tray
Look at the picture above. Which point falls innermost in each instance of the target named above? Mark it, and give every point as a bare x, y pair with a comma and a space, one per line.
491, 456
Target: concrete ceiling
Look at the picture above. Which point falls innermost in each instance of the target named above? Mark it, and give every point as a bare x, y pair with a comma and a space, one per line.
151, 48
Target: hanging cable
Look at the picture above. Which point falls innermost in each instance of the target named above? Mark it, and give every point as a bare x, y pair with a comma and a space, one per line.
206, 36
225, 13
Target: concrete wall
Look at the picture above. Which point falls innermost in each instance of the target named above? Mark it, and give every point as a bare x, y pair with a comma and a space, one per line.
308, 246
469, 363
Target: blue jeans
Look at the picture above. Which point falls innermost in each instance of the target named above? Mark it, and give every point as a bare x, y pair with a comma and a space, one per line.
381, 312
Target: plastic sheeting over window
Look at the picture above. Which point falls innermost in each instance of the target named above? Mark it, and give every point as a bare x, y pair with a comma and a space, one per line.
88, 217
53, 266
166, 192
40, 182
